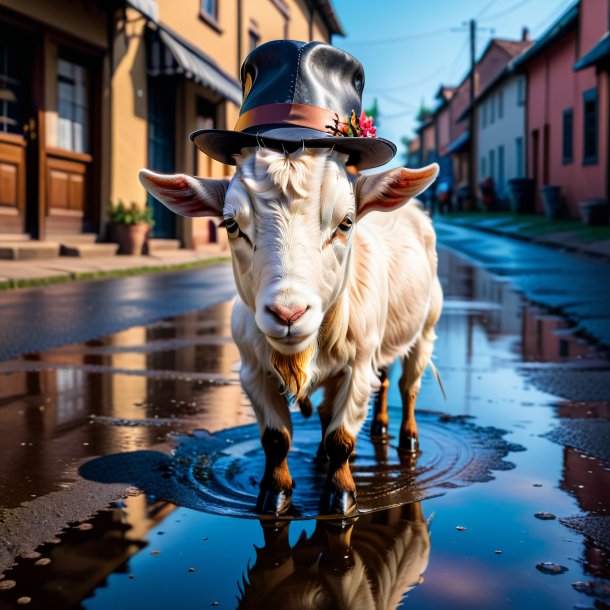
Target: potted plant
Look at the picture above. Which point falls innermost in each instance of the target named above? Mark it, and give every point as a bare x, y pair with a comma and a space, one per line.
130, 226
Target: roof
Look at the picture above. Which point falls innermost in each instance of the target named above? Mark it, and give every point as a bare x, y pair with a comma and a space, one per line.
327, 11
566, 23
597, 55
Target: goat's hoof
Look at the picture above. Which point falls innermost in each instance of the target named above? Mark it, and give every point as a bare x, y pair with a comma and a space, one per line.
408, 443
273, 502
336, 502
379, 430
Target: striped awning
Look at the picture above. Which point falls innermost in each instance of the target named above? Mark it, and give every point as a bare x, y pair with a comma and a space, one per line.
169, 54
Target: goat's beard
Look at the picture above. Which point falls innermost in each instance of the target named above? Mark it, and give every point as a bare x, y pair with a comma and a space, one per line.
294, 369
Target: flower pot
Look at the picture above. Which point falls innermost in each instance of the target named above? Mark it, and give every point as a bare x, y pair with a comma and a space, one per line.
594, 212
131, 238
521, 195
551, 200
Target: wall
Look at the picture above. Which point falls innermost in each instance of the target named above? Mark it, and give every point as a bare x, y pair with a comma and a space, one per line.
553, 86
502, 132
129, 112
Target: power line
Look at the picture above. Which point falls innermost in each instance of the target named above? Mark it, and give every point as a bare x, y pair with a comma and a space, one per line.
422, 81
398, 38
551, 17
397, 101
507, 11
485, 9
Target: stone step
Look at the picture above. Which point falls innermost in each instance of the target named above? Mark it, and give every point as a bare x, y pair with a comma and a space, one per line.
89, 250
4, 237
156, 245
28, 250
78, 238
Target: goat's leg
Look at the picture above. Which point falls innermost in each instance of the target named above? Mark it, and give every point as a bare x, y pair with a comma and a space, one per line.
275, 426
325, 413
413, 368
410, 383
339, 496
379, 425
350, 402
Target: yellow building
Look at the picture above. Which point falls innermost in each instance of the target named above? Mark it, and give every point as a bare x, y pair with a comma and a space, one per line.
91, 91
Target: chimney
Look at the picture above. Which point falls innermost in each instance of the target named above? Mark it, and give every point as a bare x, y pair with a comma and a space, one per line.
525, 34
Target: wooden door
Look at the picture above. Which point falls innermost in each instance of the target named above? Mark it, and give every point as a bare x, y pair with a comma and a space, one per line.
15, 107
69, 163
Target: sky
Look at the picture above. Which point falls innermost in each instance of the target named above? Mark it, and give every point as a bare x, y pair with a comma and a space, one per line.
408, 47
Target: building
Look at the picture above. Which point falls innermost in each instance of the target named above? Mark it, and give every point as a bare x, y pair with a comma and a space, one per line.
91, 91
567, 106
499, 114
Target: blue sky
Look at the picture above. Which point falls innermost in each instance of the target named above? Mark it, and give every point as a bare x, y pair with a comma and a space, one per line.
408, 49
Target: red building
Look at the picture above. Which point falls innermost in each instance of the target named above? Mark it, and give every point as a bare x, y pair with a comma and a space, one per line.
567, 105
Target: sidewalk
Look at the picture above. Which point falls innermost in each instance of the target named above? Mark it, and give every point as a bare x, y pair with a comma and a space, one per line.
34, 272
571, 236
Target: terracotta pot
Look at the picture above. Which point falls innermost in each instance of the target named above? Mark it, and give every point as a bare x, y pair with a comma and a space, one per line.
131, 238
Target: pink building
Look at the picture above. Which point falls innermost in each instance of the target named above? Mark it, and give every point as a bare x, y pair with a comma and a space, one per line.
567, 105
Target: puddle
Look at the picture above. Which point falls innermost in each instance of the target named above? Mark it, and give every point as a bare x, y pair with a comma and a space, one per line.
130, 407
220, 473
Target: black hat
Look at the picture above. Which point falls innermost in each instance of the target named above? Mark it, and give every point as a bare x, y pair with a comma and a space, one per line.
299, 94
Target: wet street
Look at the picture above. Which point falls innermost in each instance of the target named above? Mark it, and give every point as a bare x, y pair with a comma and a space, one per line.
130, 458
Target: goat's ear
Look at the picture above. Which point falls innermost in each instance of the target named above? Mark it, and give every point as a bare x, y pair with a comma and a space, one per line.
389, 190
186, 195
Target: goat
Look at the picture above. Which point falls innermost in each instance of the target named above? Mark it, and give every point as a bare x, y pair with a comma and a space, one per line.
329, 294
368, 563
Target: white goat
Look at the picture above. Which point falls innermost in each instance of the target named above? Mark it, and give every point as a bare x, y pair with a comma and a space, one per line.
329, 295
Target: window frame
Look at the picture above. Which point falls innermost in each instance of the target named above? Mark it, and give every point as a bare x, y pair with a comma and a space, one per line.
213, 20
590, 95
567, 156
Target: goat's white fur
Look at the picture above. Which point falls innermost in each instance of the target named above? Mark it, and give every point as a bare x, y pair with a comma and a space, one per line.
372, 296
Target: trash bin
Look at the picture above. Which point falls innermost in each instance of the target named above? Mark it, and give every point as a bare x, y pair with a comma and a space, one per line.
521, 195
594, 211
551, 200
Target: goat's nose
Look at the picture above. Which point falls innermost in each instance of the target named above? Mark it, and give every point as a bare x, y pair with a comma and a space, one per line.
286, 315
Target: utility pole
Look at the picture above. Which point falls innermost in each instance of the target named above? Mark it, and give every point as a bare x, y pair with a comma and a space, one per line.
472, 147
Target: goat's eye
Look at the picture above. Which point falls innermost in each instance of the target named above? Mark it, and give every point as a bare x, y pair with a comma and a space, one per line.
345, 226
232, 228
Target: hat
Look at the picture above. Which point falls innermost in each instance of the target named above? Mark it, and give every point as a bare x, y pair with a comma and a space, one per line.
299, 94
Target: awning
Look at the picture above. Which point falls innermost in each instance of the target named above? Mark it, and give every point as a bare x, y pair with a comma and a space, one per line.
598, 54
169, 54
459, 143
148, 8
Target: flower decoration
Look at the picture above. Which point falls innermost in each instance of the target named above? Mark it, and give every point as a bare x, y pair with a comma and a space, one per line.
356, 127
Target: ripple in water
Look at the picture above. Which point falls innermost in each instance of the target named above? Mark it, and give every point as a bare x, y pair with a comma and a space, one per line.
219, 473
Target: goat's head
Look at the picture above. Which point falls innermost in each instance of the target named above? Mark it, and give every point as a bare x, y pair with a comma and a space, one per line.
290, 219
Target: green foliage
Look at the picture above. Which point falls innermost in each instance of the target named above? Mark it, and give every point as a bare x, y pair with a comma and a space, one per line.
374, 112
132, 215
423, 113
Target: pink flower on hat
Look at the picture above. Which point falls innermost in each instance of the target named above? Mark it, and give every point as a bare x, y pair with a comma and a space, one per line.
366, 124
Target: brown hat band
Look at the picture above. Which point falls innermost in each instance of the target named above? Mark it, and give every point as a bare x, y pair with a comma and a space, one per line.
300, 115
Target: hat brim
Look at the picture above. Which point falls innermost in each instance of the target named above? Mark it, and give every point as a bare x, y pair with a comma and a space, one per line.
364, 153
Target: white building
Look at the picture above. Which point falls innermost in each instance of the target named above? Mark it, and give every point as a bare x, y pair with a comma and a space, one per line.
500, 134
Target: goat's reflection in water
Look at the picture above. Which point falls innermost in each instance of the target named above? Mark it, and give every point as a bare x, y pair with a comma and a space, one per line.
368, 563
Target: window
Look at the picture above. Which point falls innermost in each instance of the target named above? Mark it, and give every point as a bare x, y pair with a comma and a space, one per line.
492, 164
209, 8
72, 107
253, 39
484, 114
501, 169
590, 126
519, 157
483, 167
521, 91
568, 135
500, 104
492, 109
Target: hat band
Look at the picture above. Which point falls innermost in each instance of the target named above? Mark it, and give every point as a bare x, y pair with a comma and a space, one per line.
300, 115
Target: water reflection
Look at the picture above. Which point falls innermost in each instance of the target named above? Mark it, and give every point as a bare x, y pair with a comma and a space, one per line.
369, 564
